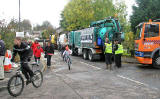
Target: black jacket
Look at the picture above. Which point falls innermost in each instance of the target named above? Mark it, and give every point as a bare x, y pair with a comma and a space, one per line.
2, 48
24, 51
49, 49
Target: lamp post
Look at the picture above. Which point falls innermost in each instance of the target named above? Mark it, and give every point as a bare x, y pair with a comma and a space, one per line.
19, 17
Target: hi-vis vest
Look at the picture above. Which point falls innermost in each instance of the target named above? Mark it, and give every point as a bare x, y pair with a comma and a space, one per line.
108, 48
119, 50
53, 39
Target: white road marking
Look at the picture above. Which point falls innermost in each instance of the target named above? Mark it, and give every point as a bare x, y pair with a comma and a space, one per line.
137, 82
91, 65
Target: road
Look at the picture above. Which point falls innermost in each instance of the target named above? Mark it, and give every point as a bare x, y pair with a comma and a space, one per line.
90, 80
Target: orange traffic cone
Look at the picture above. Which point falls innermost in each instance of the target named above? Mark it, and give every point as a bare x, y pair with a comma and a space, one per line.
7, 63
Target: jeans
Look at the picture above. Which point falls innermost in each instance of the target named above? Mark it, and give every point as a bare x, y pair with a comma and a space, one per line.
49, 60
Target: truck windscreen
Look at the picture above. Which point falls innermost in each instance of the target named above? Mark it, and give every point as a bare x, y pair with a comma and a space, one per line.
151, 30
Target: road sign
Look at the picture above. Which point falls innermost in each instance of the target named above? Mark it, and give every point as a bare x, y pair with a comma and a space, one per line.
19, 34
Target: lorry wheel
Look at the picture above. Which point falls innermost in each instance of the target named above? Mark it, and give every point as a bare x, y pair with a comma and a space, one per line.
90, 56
85, 55
156, 61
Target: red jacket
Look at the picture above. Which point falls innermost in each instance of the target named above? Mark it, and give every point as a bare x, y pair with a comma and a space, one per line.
34, 46
38, 50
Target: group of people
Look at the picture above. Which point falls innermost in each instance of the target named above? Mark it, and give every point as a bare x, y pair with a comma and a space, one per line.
115, 50
48, 50
26, 50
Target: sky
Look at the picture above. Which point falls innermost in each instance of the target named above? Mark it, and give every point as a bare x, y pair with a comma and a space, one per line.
38, 11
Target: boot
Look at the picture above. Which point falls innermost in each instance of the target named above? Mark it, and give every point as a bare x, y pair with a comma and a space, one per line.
106, 66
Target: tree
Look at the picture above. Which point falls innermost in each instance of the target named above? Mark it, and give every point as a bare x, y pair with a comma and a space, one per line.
7, 33
46, 25
13, 25
37, 28
80, 13
26, 25
129, 38
143, 11
46, 28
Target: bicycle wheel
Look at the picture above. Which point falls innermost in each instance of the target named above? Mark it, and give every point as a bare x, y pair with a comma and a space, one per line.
15, 85
37, 79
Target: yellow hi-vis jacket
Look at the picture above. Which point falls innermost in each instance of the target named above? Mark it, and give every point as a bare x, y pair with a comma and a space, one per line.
108, 48
119, 50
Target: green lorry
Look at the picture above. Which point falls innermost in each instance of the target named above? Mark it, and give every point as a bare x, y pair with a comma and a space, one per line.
89, 42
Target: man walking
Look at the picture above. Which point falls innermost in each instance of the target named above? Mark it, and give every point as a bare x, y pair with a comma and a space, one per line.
108, 54
2, 54
118, 53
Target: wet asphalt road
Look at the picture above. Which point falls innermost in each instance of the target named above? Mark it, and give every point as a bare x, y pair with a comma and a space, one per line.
90, 80
142, 74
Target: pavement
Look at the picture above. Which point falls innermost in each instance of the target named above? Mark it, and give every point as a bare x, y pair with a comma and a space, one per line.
8, 75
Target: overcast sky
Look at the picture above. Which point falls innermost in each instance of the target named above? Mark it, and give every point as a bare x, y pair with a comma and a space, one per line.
38, 11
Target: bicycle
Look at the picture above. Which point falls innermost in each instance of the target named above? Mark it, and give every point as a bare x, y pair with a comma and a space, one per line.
17, 82
63, 56
35, 66
68, 62
67, 59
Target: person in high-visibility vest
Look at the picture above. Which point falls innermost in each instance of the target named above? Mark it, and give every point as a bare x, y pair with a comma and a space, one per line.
118, 53
108, 54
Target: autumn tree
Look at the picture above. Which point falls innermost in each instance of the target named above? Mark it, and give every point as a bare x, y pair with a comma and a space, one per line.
80, 13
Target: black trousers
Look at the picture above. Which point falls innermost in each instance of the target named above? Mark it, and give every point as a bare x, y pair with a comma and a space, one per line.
108, 58
118, 60
26, 69
49, 60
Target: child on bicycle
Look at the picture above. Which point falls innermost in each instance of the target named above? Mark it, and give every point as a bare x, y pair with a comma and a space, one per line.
38, 50
67, 52
24, 51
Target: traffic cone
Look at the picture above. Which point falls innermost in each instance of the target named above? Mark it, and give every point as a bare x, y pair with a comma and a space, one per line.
10, 64
7, 63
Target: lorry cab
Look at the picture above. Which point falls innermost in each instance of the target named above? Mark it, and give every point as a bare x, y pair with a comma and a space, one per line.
147, 43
